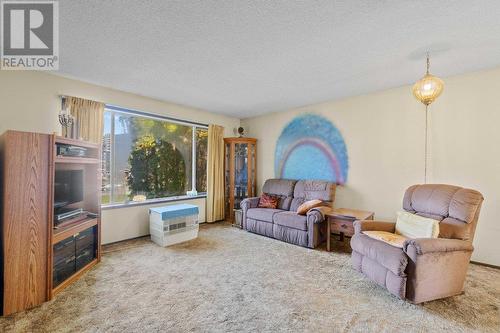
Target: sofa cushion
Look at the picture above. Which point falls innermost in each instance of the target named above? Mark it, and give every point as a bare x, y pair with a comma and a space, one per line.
291, 220
283, 188
262, 214
391, 257
296, 203
312, 189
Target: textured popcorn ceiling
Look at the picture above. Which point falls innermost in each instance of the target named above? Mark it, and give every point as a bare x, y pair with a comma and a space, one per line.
244, 58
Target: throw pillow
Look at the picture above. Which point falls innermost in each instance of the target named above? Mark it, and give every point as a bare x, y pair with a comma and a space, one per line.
387, 237
306, 206
415, 226
268, 201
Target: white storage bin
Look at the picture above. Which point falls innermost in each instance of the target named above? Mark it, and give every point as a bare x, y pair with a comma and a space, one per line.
238, 218
173, 224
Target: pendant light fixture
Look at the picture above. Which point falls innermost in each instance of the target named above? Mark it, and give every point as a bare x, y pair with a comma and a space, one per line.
426, 90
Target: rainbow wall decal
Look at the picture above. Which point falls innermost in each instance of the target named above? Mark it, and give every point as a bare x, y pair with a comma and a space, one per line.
311, 147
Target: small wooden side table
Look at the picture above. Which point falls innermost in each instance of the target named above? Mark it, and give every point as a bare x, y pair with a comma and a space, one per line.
341, 220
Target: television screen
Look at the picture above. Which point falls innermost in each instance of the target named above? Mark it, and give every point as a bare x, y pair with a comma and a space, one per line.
68, 187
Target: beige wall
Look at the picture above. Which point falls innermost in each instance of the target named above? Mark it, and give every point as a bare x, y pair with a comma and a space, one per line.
29, 101
125, 223
384, 134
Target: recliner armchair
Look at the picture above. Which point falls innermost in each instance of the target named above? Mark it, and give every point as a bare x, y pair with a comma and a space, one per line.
427, 268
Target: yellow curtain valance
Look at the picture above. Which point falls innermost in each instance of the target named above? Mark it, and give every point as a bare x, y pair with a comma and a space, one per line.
87, 119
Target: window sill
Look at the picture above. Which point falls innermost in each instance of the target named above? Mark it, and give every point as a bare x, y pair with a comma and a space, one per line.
153, 201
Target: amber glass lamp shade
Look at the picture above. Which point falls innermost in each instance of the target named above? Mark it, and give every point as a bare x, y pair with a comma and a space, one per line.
428, 88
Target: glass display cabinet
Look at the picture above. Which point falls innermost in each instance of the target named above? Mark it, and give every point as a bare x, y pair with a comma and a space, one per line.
240, 172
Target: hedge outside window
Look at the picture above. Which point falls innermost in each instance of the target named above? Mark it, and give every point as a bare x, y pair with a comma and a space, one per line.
147, 157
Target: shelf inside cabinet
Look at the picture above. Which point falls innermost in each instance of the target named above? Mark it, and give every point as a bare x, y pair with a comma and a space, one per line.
67, 231
77, 160
74, 142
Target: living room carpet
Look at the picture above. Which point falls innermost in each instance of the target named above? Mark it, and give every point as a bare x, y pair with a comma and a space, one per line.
229, 280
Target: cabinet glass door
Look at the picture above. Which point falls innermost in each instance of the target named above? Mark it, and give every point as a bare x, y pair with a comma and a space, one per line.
227, 179
240, 173
253, 164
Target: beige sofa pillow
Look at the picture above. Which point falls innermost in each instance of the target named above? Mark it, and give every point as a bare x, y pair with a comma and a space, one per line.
387, 237
306, 206
415, 226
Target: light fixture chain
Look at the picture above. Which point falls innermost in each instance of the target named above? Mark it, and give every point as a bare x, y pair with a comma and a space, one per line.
426, 143
428, 63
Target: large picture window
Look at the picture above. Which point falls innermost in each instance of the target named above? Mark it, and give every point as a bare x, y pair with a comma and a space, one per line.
147, 157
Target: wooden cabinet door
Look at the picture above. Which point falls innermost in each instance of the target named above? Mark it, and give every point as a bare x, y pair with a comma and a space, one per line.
25, 213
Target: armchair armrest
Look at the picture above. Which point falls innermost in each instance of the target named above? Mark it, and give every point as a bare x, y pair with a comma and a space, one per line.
369, 225
420, 246
249, 203
437, 267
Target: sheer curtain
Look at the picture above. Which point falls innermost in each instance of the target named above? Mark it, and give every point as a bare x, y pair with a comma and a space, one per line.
87, 119
215, 171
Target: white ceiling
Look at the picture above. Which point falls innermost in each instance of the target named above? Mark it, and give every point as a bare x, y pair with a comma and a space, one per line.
244, 58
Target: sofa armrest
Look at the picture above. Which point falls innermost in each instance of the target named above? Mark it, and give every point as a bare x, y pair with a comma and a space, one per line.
248, 203
314, 216
245, 205
422, 246
369, 225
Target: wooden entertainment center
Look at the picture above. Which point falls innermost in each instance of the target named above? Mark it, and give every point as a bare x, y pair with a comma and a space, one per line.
51, 215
